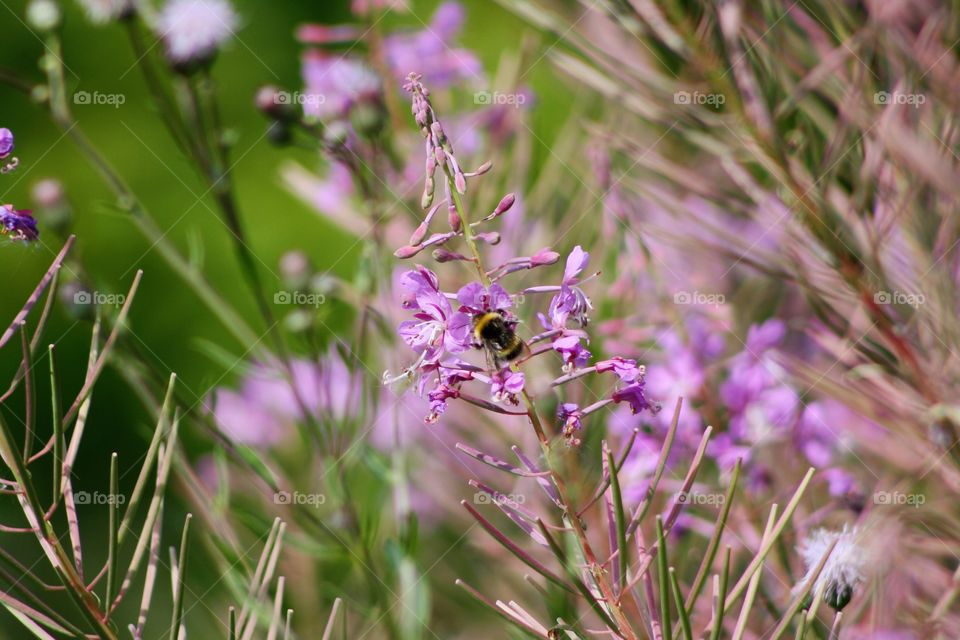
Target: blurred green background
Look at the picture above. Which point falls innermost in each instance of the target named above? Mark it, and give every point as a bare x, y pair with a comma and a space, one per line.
168, 323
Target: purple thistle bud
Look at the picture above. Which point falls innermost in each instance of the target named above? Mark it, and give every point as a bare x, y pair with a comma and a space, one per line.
19, 225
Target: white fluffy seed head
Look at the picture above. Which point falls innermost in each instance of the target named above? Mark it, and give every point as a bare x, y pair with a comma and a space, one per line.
844, 569
193, 30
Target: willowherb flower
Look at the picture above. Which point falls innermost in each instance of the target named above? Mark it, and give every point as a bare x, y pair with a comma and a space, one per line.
193, 30
6, 142
844, 569
19, 225
436, 329
266, 406
433, 52
335, 85
6, 148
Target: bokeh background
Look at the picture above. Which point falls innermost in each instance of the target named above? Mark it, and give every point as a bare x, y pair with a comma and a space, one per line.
169, 326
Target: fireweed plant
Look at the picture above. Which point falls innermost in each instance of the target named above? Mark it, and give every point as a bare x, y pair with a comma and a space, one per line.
317, 482
617, 579
799, 160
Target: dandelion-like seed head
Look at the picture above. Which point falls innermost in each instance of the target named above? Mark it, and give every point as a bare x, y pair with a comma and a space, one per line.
193, 30
844, 569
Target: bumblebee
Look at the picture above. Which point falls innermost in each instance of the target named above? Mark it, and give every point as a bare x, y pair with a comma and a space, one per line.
496, 335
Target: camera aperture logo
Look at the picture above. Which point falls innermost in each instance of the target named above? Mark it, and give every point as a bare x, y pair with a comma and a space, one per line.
299, 498
489, 98
899, 499
96, 98
482, 497
299, 98
98, 498
99, 298
299, 298
701, 499
715, 100
899, 297
699, 298
912, 99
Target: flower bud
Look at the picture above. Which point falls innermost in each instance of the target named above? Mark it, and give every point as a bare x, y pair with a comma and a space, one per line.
43, 15
295, 269
270, 101
505, 203
52, 207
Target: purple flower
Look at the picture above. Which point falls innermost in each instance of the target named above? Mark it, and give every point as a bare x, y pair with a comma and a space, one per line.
573, 353
840, 483
625, 368
263, 410
571, 416
761, 337
475, 298
635, 397
19, 225
436, 328
334, 85
6, 142
431, 51
506, 384
577, 261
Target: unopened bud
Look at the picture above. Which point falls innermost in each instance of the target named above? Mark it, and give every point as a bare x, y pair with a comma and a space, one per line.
544, 257
505, 203
490, 237
295, 269
419, 234
408, 251
271, 102
444, 255
453, 218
